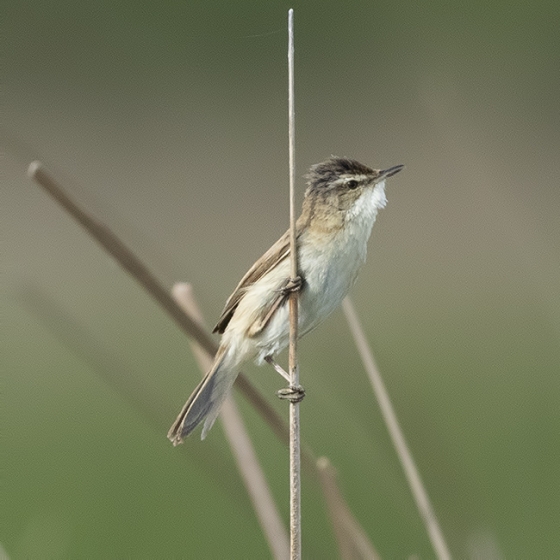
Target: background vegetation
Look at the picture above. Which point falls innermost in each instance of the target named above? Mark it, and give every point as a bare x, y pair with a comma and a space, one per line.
169, 120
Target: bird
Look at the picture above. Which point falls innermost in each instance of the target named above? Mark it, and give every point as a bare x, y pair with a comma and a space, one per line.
340, 206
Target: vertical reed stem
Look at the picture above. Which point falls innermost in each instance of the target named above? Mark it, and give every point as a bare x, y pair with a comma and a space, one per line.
295, 481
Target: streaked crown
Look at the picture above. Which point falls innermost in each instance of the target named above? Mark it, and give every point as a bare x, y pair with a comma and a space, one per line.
334, 169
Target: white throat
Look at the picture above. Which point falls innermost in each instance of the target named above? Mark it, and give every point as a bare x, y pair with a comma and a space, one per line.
364, 211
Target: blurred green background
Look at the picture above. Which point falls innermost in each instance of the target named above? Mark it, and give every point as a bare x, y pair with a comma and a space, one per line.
168, 120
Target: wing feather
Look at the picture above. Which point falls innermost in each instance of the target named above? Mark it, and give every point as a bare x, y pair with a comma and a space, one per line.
275, 255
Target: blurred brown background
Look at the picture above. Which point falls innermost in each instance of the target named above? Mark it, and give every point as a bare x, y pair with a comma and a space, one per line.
168, 119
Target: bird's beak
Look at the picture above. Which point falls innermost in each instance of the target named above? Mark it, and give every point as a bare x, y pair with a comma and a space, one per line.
390, 172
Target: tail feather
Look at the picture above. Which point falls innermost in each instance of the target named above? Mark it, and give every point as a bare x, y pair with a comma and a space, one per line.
206, 400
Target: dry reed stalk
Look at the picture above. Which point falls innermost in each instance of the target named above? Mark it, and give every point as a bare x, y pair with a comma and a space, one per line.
295, 453
240, 443
411, 472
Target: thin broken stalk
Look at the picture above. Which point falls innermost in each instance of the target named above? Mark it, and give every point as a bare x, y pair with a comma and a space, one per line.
240, 443
411, 472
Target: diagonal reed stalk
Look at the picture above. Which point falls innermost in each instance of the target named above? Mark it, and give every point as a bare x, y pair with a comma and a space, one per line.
411, 472
240, 443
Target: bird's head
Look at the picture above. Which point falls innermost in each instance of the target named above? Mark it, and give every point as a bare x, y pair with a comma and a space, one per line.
342, 189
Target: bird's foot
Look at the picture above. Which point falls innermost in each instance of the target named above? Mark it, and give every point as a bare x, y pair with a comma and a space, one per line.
292, 285
294, 393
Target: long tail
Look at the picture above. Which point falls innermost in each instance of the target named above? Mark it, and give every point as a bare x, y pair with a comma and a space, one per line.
206, 400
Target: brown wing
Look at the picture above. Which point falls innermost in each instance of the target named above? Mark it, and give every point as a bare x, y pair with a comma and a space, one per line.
275, 255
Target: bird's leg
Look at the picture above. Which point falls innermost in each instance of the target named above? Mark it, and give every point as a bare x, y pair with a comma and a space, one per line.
294, 394
277, 367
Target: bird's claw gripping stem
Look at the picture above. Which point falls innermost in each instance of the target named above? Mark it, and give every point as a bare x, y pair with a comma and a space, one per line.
294, 394
292, 285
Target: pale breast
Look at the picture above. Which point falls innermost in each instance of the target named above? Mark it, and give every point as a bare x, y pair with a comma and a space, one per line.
329, 262
329, 271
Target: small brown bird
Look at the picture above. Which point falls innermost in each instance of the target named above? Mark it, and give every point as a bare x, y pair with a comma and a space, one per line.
339, 210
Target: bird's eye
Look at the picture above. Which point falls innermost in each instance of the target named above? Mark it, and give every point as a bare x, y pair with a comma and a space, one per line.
352, 184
